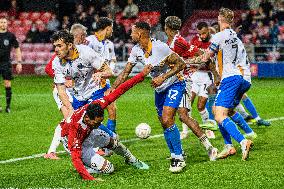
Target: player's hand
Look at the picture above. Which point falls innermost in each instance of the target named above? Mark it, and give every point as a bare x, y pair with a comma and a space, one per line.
107, 92
19, 68
68, 83
99, 180
97, 77
147, 69
157, 81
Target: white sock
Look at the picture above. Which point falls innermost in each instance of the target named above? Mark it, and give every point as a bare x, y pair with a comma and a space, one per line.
257, 118
240, 108
205, 141
123, 151
184, 128
56, 140
204, 115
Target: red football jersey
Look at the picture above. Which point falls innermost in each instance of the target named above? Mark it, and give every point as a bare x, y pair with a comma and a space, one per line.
77, 131
48, 68
199, 43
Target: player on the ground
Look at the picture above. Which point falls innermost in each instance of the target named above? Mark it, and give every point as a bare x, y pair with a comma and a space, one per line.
100, 43
82, 132
167, 81
7, 42
179, 45
203, 79
230, 52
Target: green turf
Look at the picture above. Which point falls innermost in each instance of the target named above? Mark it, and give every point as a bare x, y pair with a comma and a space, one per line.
29, 128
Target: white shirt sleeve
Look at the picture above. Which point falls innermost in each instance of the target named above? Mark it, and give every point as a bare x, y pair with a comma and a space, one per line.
95, 59
59, 76
134, 56
215, 43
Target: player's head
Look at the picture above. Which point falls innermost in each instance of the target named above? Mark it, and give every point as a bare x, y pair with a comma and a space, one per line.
105, 25
226, 16
3, 23
94, 115
203, 31
172, 24
63, 43
79, 32
140, 30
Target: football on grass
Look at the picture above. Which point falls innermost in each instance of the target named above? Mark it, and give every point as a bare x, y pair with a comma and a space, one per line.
143, 130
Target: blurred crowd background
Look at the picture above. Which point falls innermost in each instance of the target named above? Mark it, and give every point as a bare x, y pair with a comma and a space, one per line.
259, 23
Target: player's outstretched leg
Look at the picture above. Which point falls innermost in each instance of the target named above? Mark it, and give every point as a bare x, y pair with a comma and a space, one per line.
130, 159
251, 108
239, 120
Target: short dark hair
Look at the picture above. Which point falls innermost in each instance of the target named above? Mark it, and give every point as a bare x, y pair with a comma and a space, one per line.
94, 110
62, 34
173, 22
143, 25
201, 25
102, 23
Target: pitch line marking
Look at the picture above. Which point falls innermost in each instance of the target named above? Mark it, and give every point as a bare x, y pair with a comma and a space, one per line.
123, 141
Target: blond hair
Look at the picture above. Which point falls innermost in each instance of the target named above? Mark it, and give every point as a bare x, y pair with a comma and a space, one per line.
173, 22
227, 14
76, 27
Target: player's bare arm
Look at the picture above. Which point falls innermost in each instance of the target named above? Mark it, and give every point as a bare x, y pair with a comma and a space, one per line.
215, 73
202, 58
64, 97
123, 75
175, 62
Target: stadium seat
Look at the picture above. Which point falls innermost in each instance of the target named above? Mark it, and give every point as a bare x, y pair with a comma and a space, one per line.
39, 47
24, 15
35, 16
45, 17
21, 38
42, 57
29, 57
48, 47
28, 47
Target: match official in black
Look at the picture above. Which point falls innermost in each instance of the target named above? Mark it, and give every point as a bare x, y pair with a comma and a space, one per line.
7, 42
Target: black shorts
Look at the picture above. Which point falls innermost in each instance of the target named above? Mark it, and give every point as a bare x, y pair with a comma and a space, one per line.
6, 71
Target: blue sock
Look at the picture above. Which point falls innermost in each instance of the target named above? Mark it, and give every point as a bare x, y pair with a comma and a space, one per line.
232, 129
239, 120
209, 105
168, 141
102, 127
250, 107
225, 134
172, 137
111, 125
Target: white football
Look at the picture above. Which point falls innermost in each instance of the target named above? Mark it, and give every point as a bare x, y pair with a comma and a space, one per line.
143, 130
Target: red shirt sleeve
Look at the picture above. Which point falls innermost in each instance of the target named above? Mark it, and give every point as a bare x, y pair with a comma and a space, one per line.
48, 68
181, 46
121, 89
75, 140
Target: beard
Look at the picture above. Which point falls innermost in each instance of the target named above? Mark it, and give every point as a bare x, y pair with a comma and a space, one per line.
206, 39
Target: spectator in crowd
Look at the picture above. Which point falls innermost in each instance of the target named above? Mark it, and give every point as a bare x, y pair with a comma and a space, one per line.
13, 11
78, 11
131, 10
279, 13
158, 33
65, 23
85, 21
53, 24
273, 32
267, 7
33, 35
112, 8
94, 22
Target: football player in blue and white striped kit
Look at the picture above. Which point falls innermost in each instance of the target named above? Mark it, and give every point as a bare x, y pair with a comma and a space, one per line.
230, 51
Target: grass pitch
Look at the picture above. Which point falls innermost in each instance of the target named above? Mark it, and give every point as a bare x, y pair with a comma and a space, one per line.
28, 130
